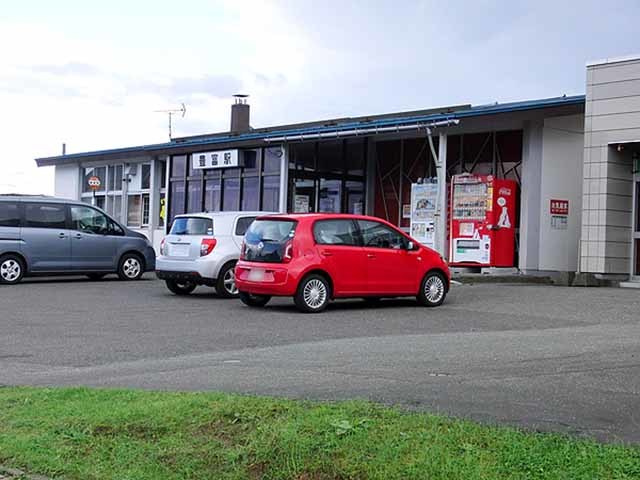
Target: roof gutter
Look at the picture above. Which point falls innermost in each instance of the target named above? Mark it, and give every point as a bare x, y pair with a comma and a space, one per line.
362, 131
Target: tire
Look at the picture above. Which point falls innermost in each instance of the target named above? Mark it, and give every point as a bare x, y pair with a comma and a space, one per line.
253, 300
131, 267
313, 294
12, 269
180, 288
226, 282
96, 276
433, 290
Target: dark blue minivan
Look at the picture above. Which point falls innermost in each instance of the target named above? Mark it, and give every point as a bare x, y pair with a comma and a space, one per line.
42, 235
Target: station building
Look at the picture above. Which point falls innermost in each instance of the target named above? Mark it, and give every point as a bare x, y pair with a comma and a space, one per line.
582, 151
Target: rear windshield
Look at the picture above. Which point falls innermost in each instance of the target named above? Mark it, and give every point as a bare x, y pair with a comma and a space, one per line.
266, 240
192, 226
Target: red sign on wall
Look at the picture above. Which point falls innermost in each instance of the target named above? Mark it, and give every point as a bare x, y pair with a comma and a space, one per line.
559, 207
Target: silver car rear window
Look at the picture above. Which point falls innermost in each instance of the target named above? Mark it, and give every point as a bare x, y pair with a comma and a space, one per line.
192, 226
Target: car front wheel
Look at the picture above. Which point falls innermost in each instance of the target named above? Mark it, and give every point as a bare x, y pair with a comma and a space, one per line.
433, 290
313, 294
252, 300
131, 267
180, 288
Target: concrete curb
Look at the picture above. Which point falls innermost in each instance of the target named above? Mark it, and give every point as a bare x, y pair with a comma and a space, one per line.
520, 279
11, 473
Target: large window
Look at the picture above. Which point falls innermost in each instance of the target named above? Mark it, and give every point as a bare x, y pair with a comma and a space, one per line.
272, 156
194, 196
378, 235
271, 193
335, 232
109, 196
9, 214
231, 195
115, 177
212, 193
250, 193
192, 226
328, 176
243, 224
255, 185
100, 173
138, 208
125, 191
45, 215
89, 220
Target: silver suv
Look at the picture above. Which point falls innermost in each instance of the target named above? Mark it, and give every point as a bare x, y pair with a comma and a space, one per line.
51, 236
202, 249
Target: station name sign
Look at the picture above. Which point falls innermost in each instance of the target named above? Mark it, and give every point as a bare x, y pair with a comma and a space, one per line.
217, 159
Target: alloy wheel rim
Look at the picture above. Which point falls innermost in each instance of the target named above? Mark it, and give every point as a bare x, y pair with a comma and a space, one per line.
131, 268
10, 270
229, 281
434, 289
315, 293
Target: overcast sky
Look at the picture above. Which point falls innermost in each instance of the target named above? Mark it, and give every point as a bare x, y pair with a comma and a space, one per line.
91, 74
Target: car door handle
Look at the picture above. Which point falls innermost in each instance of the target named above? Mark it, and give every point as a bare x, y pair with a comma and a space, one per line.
62, 235
326, 253
371, 255
78, 235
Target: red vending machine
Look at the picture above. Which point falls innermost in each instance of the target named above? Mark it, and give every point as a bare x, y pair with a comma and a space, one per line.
482, 221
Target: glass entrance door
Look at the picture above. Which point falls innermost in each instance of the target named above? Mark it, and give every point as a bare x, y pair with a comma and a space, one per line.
635, 263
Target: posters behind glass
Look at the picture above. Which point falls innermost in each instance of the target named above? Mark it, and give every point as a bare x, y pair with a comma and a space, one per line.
423, 208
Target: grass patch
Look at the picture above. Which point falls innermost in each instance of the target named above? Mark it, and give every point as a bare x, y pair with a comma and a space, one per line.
86, 434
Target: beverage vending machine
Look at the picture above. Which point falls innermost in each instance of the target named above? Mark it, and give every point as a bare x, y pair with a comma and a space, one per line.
482, 221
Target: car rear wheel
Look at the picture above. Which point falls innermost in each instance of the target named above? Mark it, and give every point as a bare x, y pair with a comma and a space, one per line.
11, 269
180, 288
433, 290
226, 282
252, 300
313, 294
131, 267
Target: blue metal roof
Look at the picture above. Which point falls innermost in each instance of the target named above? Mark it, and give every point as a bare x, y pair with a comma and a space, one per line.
473, 111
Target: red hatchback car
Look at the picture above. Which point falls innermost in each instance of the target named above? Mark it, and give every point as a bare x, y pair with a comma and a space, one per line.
316, 257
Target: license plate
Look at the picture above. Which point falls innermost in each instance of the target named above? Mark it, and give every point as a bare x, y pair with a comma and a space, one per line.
180, 250
256, 275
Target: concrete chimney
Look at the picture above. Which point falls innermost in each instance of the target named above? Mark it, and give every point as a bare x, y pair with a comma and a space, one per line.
240, 114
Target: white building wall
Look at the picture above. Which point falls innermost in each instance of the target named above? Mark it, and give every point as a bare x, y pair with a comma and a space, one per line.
67, 181
562, 150
529, 248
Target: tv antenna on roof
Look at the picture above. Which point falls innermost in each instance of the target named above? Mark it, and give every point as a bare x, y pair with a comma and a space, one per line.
171, 113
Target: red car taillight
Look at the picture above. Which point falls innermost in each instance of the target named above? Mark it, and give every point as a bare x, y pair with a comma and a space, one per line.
162, 246
207, 245
288, 251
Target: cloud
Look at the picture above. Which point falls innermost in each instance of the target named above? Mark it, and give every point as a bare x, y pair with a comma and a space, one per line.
184, 89
72, 68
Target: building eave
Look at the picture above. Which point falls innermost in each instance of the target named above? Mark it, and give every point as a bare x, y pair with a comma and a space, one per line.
260, 137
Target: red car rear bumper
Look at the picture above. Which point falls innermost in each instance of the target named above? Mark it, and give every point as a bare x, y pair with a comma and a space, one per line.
265, 279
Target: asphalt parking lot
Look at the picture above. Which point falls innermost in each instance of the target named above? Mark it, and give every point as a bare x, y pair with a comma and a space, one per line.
543, 357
